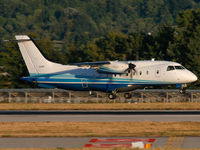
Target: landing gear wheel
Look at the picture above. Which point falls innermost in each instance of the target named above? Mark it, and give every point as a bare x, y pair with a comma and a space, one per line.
111, 96
127, 95
90, 93
182, 91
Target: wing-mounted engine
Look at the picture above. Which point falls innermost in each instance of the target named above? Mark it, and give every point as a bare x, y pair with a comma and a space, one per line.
131, 67
116, 68
109, 67
113, 68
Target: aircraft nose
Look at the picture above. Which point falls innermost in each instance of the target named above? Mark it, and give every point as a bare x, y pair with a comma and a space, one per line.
193, 78
187, 77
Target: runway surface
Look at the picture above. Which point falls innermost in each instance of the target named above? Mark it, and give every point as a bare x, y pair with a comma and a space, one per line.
92, 116
72, 142
99, 116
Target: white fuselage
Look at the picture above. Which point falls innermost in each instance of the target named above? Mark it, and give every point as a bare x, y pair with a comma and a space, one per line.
146, 73
103, 76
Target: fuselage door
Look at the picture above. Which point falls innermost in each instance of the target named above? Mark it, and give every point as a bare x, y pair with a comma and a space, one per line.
84, 83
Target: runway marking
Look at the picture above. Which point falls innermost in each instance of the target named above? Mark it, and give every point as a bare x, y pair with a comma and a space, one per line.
127, 144
174, 142
107, 145
122, 140
180, 142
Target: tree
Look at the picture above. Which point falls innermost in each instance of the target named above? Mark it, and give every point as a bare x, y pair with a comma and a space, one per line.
186, 45
162, 39
13, 64
114, 46
140, 46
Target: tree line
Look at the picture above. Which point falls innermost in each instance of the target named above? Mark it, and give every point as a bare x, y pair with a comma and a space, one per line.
179, 43
80, 21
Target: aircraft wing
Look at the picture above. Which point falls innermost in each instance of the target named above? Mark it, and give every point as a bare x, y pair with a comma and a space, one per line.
98, 63
109, 67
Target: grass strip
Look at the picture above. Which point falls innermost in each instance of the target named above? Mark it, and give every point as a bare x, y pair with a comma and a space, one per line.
98, 129
100, 106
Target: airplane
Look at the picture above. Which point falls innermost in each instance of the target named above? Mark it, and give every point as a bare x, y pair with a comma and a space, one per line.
107, 76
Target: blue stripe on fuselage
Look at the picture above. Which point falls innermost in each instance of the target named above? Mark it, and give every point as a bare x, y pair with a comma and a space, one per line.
78, 82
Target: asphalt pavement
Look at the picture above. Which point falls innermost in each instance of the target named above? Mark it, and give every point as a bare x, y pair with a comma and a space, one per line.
99, 116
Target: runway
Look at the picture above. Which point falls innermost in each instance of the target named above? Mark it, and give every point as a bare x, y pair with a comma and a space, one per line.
98, 116
93, 116
79, 142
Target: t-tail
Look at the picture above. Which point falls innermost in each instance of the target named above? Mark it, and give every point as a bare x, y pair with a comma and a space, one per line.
36, 63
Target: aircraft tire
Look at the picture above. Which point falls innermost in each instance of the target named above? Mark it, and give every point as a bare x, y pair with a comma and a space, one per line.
90, 93
111, 96
127, 95
182, 91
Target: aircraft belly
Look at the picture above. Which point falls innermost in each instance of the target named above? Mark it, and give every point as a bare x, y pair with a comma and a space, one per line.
98, 84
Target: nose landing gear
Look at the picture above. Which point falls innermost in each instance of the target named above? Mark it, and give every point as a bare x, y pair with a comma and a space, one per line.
182, 89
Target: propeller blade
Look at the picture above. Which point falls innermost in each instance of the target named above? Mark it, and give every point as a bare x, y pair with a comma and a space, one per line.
130, 67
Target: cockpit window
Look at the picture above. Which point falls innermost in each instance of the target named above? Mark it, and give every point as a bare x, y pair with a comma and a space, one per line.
169, 68
179, 67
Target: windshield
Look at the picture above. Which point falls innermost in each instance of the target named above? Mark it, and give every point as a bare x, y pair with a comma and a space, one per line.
169, 68
179, 67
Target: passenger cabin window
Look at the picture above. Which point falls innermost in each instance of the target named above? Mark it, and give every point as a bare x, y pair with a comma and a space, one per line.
140, 72
147, 72
169, 68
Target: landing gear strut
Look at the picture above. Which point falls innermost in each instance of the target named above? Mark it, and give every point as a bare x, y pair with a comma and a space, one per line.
113, 94
127, 95
182, 89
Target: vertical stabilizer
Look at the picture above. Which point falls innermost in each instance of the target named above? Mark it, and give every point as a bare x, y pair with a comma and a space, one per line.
34, 60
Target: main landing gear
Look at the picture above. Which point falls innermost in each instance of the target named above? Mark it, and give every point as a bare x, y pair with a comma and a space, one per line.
127, 95
113, 95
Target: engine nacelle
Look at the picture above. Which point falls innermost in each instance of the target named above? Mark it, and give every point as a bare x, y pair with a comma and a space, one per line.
113, 68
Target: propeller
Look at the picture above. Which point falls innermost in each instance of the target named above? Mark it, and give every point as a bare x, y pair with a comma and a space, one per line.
131, 68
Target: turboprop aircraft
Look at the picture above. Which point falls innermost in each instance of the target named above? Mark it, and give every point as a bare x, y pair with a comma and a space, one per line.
107, 76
